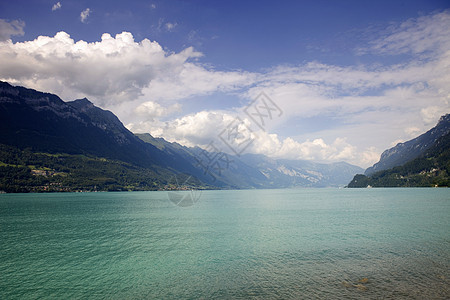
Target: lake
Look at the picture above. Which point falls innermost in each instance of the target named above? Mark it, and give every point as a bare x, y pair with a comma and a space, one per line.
260, 244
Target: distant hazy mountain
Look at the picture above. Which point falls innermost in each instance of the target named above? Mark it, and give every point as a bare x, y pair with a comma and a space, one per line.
425, 161
47, 144
405, 152
289, 173
251, 170
234, 174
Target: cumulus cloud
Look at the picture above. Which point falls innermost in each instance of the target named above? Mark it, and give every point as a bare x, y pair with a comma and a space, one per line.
202, 128
10, 28
151, 110
318, 150
84, 15
194, 129
112, 70
56, 6
115, 69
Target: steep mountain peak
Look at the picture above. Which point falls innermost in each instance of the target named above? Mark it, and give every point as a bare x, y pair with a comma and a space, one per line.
4, 86
81, 104
6, 91
444, 120
103, 119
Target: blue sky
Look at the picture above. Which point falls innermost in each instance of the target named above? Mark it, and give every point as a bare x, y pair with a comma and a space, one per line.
352, 77
233, 34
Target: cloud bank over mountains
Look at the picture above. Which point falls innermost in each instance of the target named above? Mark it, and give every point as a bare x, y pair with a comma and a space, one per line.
364, 108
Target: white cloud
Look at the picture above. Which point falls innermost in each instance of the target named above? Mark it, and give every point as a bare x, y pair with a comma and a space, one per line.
116, 69
10, 28
412, 131
319, 150
151, 110
428, 33
431, 114
85, 14
202, 128
197, 129
191, 79
56, 6
170, 26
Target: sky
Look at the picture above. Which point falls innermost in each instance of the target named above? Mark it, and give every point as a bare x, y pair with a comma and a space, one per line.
326, 81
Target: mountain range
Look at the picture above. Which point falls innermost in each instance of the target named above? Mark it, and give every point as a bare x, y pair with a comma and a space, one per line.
47, 144
260, 171
422, 161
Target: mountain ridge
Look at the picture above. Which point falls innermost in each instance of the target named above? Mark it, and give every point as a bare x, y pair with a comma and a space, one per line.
407, 151
429, 165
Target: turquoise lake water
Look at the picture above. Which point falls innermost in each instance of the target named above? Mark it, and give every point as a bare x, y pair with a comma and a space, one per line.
259, 244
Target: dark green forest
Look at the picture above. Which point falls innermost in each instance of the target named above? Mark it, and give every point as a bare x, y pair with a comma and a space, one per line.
28, 171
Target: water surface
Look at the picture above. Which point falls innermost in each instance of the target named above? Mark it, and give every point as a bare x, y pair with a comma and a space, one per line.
261, 244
